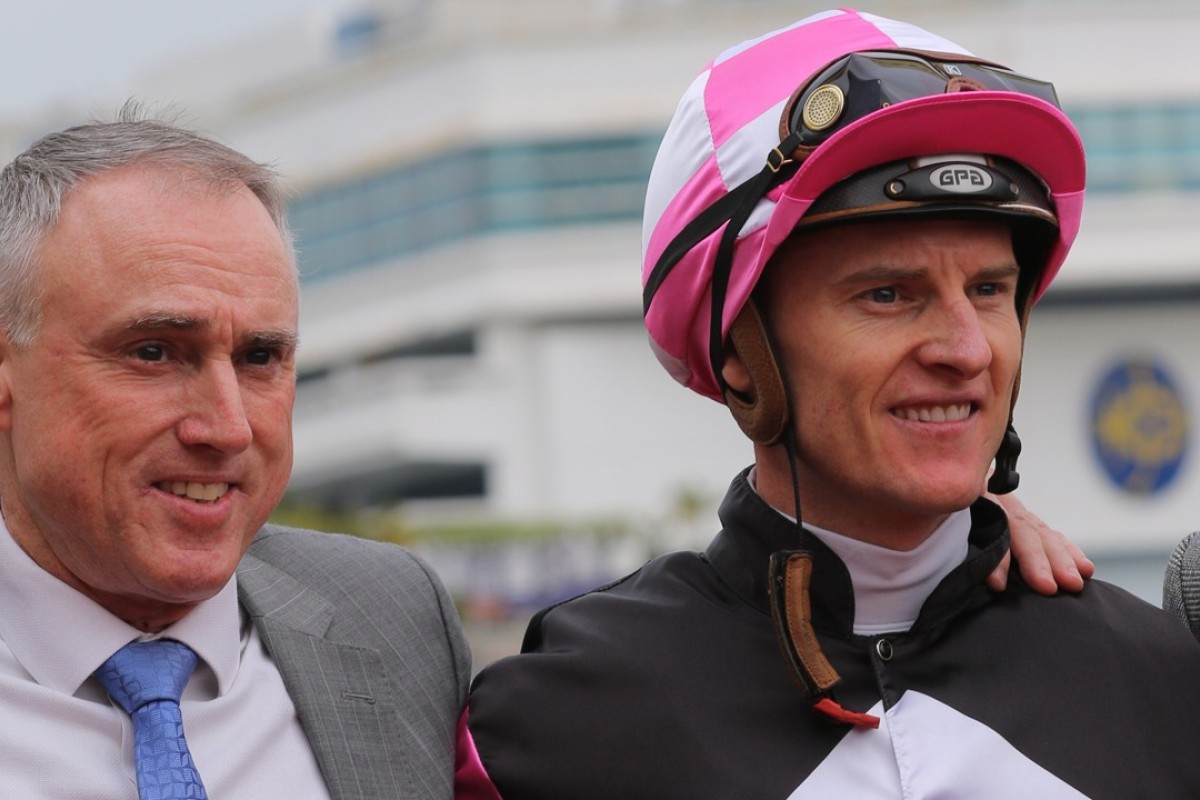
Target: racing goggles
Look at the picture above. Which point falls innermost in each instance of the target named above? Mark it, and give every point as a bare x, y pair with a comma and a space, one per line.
862, 83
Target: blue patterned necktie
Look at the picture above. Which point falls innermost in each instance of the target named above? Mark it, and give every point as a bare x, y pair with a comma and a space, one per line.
146, 679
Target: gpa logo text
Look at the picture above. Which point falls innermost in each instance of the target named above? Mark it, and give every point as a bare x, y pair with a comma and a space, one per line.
961, 179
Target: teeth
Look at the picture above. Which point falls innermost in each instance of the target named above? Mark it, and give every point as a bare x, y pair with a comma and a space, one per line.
200, 492
952, 413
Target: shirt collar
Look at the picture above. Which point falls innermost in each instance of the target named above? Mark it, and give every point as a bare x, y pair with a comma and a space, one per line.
890, 586
753, 530
60, 636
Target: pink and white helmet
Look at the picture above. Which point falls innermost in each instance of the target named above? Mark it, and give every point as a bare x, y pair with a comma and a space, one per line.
772, 124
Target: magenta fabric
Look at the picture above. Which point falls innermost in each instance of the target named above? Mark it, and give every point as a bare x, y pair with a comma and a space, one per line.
471, 781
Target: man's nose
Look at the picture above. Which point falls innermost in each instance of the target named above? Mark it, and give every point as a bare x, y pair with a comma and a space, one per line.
956, 338
216, 410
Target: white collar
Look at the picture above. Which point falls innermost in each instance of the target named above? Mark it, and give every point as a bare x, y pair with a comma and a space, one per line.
890, 586
60, 636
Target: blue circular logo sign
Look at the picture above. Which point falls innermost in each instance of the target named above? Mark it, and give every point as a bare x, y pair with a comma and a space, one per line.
1139, 427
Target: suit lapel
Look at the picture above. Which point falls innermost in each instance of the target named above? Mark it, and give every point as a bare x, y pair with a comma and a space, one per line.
341, 692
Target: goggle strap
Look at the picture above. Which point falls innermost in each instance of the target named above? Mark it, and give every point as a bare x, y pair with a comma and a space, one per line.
710, 219
696, 231
779, 167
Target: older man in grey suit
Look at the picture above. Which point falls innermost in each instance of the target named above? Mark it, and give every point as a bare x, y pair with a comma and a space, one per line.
157, 639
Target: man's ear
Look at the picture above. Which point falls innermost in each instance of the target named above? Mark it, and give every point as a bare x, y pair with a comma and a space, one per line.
754, 392
736, 374
6, 352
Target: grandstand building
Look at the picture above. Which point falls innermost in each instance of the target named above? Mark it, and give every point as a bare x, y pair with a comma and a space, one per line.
467, 182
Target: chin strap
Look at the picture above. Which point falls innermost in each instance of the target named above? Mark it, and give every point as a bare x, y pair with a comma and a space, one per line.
767, 420
791, 611
1005, 477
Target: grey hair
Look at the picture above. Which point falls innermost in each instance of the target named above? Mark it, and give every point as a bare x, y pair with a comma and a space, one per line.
34, 185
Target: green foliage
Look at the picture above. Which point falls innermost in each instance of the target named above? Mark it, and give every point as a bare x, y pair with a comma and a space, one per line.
390, 526
383, 526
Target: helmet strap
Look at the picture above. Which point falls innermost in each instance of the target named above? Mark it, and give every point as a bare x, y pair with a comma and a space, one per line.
761, 412
764, 413
1005, 477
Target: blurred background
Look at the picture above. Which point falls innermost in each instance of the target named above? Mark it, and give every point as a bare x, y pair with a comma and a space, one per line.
467, 179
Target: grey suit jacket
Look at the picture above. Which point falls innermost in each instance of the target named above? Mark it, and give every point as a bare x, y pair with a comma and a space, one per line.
372, 654
1181, 584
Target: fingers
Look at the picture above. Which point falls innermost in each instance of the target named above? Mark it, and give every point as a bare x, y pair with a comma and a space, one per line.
1053, 562
1047, 560
998, 578
1073, 553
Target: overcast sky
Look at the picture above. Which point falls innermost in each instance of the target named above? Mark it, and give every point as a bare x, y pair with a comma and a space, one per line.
53, 50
